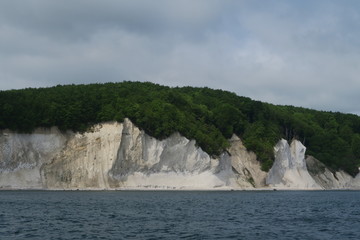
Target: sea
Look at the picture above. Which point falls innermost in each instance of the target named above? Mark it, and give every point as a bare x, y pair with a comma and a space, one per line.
179, 215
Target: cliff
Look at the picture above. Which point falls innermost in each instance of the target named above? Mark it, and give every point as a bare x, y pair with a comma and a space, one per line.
121, 156
289, 169
329, 179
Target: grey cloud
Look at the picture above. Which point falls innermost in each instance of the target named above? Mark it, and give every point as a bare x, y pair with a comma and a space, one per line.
78, 19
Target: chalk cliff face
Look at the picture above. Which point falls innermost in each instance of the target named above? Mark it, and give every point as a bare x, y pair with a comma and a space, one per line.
289, 169
292, 171
85, 160
22, 156
247, 167
355, 183
121, 156
174, 163
326, 178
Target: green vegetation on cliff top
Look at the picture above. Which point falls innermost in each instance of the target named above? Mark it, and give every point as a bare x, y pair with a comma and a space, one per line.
206, 115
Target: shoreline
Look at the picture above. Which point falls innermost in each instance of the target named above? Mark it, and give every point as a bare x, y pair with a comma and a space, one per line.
174, 190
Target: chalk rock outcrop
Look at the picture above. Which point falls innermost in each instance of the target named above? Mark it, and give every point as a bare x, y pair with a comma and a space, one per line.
289, 169
22, 156
120, 156
326, 178
85, 160
245, 164
355, 183
174, 163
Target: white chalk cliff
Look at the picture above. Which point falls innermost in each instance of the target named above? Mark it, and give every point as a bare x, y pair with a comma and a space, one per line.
23, 155
292, 171
121, 156
289, 169
329, 179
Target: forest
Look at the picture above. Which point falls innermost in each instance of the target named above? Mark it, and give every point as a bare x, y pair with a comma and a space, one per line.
209, 116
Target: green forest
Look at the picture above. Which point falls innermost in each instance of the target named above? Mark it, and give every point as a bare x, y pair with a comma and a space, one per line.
206, 115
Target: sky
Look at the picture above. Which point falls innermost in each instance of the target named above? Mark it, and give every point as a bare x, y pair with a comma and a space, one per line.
296, 52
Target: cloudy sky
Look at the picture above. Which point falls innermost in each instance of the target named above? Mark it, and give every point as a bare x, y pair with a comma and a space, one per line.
295, 52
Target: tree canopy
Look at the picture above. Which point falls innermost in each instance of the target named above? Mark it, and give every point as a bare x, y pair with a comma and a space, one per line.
206, 115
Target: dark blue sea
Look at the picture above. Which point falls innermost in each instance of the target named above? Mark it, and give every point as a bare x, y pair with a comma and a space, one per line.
179, 215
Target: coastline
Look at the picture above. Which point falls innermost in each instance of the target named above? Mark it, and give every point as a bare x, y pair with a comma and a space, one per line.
160, 189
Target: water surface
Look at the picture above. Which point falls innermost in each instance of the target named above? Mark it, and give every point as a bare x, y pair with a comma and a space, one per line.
179, 215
